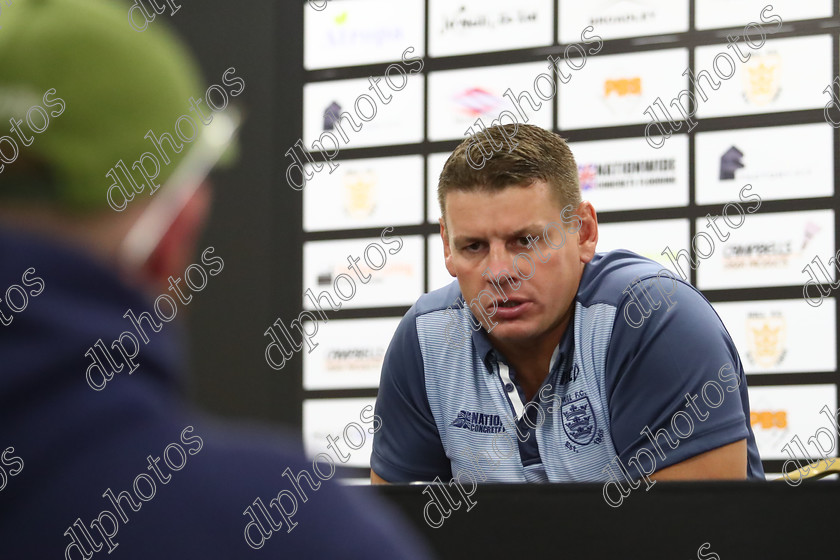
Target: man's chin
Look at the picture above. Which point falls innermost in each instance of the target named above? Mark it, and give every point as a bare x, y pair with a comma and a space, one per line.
510, 332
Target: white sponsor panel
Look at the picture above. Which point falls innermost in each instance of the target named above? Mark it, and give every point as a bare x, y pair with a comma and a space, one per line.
780, 161
434, 165
767, 250
778, 413
400, 281
614, 19
626, 174
340, 424
355, 32
771, 336
365, 193
457, 98
400, 121
474, 26
438, 275
648, 239
616, 89
779, 476
725, 13
349, 354
783, 75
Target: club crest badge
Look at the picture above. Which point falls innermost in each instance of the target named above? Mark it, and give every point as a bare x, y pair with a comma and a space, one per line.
578, 421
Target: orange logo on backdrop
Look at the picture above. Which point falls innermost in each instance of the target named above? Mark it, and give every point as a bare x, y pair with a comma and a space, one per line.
623, 86
769, 419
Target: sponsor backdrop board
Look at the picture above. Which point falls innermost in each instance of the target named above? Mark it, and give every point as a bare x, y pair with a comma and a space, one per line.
784, 75
349, 353
767, 250
648, 239
760, 162
337, 108
434, 165
770, 336
613, 19
780, 162
350, 32
458, 97
725, 13
347, 423
363, 193
780, 413
474, 26
626, 174
616, 89
399, 281
438, 275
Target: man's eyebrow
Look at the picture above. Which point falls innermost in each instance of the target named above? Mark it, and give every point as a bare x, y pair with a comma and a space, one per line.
528, 229
521, 232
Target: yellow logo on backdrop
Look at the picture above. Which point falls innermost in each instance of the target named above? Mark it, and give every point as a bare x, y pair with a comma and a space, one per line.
360, 193
766, 337
763, 79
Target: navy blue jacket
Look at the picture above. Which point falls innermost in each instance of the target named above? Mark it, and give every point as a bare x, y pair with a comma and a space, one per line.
74, 443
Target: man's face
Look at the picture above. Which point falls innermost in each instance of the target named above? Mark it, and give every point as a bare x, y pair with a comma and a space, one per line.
483, 234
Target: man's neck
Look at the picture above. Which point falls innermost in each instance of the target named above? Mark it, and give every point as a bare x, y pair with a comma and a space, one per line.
531, 360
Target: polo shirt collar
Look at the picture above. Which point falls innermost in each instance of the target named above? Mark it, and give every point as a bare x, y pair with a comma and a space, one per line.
487, 353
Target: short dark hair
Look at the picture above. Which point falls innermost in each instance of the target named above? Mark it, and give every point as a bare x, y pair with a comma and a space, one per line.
539, 154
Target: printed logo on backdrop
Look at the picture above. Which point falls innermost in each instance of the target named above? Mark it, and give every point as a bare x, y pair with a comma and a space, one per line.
766, 338
623, 13
478, 422
762, 78
578, 420
478, 102
354, 358
588, 175
770, 426
347, 30
463, 19
622, 94
394, 269
769, 254
331, 114
730, 162
360, 193
627, 174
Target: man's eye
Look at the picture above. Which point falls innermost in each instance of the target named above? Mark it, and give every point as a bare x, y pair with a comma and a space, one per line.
524, 241
473, 247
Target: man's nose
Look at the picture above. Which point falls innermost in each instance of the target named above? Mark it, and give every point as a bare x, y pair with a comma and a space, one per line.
500, 265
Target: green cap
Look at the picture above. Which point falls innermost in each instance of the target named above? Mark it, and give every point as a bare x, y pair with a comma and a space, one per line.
114, 82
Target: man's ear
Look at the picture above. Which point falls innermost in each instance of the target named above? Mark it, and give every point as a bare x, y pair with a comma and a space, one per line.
447, 252
177, 248
588, 232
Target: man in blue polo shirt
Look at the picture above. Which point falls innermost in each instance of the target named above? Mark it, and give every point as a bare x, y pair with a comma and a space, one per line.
566, 364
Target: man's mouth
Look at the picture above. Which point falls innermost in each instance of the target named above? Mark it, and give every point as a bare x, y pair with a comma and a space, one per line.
510, 303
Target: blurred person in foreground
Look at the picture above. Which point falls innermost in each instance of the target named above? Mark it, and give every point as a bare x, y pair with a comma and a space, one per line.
544, 376
73, 449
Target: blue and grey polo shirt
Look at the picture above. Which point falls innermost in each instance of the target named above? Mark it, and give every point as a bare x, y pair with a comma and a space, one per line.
670, 382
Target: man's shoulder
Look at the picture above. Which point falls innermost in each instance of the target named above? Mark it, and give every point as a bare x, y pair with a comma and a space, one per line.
608, 275
437, 300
